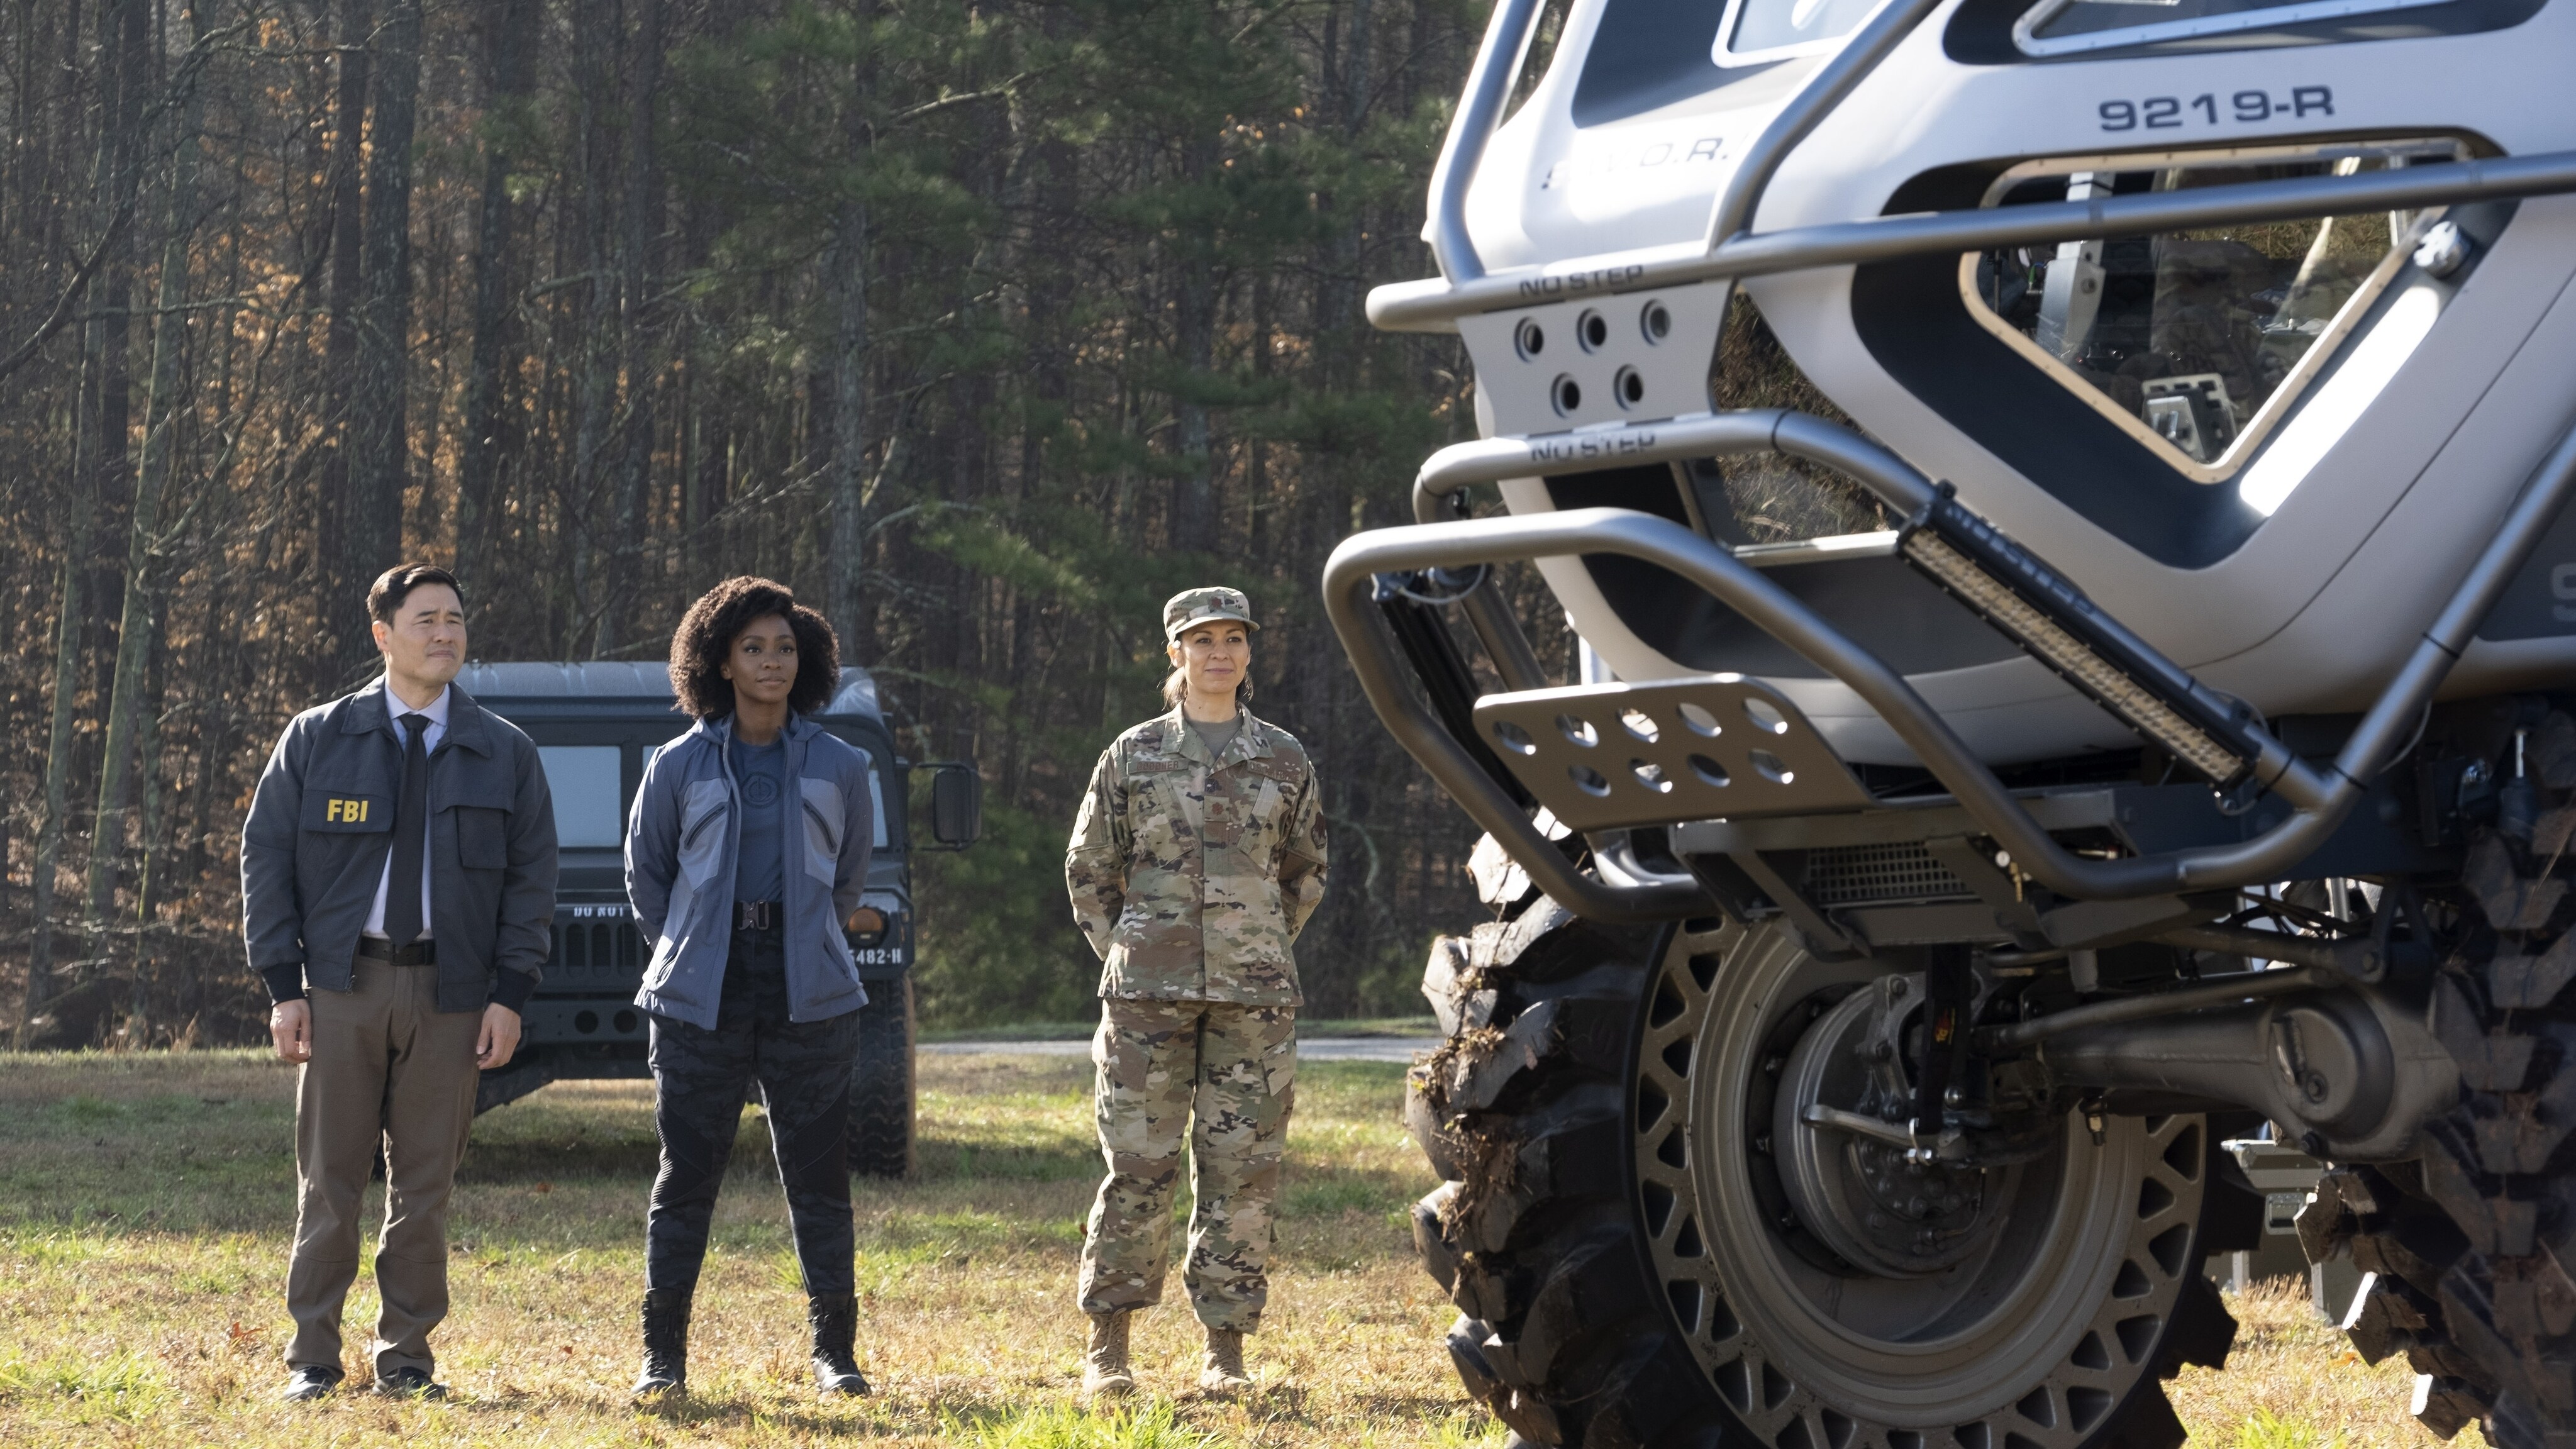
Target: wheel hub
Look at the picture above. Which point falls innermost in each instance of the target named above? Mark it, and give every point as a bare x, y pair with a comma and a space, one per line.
2067, 1250
1860, 1174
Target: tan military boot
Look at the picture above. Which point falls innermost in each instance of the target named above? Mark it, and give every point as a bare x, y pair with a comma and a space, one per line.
1224, 1376
1105, 1374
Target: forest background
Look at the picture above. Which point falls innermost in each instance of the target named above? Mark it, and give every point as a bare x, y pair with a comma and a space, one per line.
985, 326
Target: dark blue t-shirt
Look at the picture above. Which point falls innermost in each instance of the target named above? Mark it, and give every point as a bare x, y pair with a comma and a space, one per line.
760, 772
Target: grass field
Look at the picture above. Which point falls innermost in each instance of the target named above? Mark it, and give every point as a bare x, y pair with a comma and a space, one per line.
145, 1203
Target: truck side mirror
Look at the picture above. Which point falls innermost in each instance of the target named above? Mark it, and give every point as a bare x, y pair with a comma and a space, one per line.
956, 805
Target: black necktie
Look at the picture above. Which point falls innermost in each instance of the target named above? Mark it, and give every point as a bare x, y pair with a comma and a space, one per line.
411, 817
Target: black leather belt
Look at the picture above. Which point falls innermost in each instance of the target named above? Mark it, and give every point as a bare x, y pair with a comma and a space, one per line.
758, 916
418, 953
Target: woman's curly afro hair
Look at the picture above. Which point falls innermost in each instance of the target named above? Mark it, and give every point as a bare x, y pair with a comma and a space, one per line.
705, 638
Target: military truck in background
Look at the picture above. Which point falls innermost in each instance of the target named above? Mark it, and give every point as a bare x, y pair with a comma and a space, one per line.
596, 724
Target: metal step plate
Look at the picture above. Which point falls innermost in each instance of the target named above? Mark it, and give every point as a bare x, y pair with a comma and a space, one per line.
1597, 358
1607, 756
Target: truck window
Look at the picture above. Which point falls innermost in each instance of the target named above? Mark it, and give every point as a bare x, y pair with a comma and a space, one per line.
585, 785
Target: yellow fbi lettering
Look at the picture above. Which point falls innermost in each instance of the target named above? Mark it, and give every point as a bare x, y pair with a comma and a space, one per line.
349, 812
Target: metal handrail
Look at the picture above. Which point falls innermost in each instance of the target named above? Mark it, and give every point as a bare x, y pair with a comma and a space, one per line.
2320, 803
1698, 435
1825, 89
1498, 62
1433, 305
1489, 83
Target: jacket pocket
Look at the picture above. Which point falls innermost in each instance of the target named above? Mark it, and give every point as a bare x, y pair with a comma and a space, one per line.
825, 818
482, 837
1166, 810
704, 815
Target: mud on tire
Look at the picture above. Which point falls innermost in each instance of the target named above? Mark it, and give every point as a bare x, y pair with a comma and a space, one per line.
1569, 1329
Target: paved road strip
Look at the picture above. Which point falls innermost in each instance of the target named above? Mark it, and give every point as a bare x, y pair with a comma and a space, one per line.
1313, 1049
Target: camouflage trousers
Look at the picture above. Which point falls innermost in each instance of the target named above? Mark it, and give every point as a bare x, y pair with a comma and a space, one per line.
1229, 1074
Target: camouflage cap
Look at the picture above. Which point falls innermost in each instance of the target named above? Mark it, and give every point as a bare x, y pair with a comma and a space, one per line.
1198, 606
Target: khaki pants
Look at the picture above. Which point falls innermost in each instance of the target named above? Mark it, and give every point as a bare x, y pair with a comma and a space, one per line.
1223, 1078
388, 1067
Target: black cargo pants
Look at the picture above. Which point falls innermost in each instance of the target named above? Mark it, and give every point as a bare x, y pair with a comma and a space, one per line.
700, 1078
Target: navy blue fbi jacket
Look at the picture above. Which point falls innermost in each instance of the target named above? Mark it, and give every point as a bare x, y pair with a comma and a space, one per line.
321, 827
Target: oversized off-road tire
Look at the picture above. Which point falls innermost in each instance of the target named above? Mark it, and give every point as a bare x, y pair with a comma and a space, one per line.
881, 1083
2467, 1253
1628, 1275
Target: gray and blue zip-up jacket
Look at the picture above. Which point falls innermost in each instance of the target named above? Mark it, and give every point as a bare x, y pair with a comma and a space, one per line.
684, 840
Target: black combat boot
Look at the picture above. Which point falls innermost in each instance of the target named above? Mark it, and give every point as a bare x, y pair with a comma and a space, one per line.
835, 1317
666, 1346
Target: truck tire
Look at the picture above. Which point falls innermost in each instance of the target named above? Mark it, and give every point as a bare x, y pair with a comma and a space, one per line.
1623, 1278
881, 1083
2468, 1251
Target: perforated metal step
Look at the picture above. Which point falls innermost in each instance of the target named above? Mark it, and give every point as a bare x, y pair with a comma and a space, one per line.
1603, 757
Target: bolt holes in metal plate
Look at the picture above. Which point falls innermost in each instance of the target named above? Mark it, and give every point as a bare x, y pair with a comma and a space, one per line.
1656, 322
1622, 755
1629, 387
1567, 394
1591, 331
1530, 338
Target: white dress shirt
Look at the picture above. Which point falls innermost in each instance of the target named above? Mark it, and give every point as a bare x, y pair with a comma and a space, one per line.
429, 738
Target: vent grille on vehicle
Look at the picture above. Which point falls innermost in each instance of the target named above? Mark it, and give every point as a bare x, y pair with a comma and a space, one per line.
1850, 875
596, 948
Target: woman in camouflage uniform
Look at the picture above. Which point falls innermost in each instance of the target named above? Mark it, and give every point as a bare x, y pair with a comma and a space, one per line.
1198, 855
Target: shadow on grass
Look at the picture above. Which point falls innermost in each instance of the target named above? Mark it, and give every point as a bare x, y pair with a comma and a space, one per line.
526, 1161
954, 1161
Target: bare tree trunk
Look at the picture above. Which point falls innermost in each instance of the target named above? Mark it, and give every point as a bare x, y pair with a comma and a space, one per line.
1194, 490
595, 29
382, 456
643, 196
512, 39
148, 766
97, 445
847, 568
338, 548
163, 404
58, 753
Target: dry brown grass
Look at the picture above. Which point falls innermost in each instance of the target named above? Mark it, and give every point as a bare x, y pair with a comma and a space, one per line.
145, 1203
2292, 1382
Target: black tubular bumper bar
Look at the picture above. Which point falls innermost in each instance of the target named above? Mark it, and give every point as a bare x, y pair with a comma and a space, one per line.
2320, 798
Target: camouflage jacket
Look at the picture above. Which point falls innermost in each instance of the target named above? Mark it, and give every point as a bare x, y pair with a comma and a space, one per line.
1190, 873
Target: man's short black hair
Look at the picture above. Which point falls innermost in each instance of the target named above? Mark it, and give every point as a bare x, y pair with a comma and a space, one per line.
705, 638
385, 596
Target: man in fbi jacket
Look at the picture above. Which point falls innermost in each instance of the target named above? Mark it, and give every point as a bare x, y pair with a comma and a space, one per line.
398, 886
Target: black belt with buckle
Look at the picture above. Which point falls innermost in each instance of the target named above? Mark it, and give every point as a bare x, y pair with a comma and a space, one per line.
418, 953
757, 916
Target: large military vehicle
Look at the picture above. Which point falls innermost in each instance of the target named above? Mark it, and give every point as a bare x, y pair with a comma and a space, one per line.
595, 725
2125, 709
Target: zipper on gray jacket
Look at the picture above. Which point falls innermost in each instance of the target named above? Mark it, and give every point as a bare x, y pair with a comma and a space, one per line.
700, 828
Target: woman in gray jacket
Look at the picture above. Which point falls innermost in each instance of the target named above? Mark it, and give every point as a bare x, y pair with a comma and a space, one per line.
744, 860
